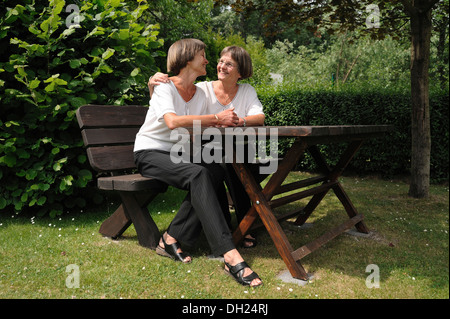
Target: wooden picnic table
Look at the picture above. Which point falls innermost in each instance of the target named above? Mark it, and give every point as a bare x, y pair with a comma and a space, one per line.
307, 138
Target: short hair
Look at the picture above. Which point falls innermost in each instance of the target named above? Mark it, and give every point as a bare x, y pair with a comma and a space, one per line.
242, 58
182, 52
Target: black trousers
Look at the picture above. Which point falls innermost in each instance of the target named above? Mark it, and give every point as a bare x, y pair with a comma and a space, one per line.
204, 206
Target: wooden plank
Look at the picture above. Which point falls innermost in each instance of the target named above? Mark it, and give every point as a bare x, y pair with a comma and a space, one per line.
317, 198
349, 207
146, 229
312, 246
270, 222
310, 207
116, 224
119, 221
109, 136
111, 116
130, 183
279, 218
292, 157
111, 158
306, 131
299, 195
299, 184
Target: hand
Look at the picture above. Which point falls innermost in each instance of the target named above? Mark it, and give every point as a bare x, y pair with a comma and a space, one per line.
158, 78
228, 118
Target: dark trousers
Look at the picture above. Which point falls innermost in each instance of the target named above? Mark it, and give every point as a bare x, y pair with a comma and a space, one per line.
203, 207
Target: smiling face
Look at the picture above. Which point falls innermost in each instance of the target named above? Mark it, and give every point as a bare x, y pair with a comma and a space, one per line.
199, 63
183, 52
228, 69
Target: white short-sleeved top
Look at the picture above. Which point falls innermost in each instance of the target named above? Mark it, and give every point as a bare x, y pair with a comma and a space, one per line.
154, 133
245, 102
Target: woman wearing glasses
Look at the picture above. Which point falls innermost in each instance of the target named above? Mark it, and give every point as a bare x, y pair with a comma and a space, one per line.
225, 93
174, 104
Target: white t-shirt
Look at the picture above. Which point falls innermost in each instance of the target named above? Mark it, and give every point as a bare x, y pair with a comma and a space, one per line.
245, 102
154, 133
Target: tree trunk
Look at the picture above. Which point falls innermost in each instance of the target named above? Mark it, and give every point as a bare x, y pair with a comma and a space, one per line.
420, 122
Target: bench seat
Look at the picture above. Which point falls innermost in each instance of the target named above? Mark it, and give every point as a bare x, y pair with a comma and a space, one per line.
130, 183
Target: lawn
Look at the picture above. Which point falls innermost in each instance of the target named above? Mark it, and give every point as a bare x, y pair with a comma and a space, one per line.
408, 245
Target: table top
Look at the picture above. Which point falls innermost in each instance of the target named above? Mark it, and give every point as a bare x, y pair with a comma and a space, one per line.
300, 131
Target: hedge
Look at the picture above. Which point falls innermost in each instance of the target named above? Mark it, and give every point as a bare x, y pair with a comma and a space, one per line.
387, 156
55, 57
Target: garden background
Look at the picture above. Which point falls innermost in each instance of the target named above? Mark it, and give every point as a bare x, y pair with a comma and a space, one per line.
58, 55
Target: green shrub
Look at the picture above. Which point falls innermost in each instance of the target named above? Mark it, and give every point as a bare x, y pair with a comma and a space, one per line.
387, 156
53, 59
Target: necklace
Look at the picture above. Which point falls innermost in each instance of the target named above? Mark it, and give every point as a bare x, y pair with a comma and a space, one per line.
222, 94
228, 99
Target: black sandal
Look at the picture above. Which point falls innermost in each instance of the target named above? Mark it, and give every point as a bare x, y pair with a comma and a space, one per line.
251, 241
171, 252
237, 272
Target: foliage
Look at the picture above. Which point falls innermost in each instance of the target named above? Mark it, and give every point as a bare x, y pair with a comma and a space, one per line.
341, 62
387, 156
257, 53
180, 19
303, 42
280, 15
55, 58
198, 23
440, 44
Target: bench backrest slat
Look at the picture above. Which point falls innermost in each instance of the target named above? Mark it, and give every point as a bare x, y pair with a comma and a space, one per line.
109, 136
109, 133
111, 116
111, 158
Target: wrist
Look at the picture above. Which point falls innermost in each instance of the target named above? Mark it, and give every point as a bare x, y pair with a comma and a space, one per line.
245, 122
217, 118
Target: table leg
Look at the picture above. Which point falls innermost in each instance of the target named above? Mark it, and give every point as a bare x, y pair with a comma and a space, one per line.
292, 157
349, 208
309, 208
333, 175
317, 198
261, 206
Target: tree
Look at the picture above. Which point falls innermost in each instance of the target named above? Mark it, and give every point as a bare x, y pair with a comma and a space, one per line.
377, 18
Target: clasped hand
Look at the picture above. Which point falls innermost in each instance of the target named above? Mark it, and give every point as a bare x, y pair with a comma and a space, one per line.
227, 118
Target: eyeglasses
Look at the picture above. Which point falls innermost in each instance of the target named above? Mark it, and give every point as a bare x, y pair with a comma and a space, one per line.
227, 64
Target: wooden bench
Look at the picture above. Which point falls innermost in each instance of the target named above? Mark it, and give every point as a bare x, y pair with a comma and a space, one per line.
109, 133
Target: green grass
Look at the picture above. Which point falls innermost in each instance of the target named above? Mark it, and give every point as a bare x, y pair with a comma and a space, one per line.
409, 243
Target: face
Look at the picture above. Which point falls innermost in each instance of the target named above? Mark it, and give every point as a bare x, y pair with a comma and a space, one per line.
227, 68
199, 62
